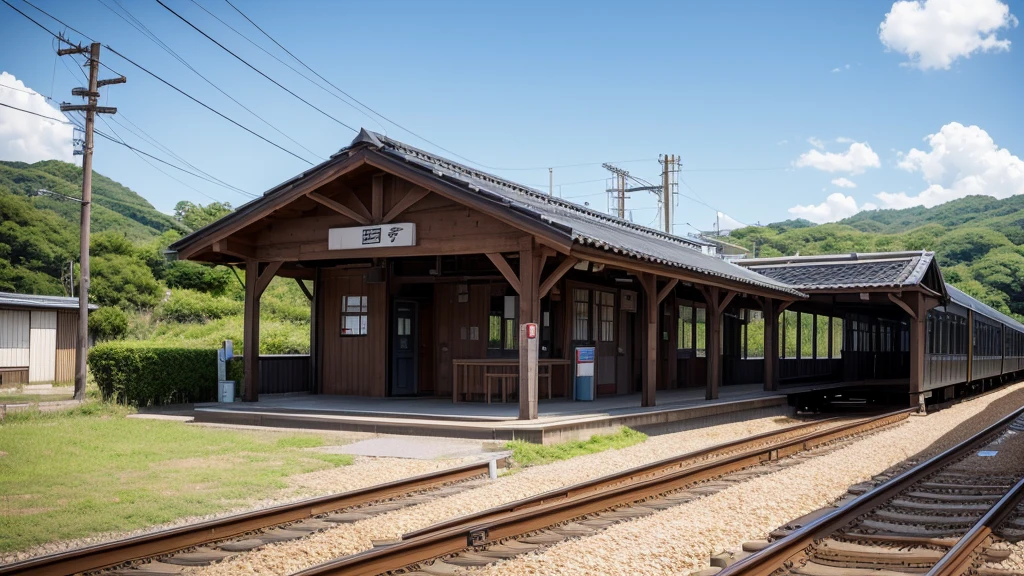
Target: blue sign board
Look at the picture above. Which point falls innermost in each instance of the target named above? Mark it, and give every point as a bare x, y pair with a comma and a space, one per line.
584, 354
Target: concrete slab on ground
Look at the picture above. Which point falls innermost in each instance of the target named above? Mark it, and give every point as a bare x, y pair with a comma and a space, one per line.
411, 447
169, 417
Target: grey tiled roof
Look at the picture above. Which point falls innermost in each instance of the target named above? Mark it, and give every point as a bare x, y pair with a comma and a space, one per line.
586, 226
880, 270
12, 300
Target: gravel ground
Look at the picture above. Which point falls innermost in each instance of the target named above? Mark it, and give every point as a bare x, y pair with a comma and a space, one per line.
680, 539
360, 474
292, 556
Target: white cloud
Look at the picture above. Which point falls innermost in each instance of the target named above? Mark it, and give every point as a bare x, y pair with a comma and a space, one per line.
836, 207
726, 222
837, 69
834, 70
963, 160
855, 160
781, 142
844, 140
844, 183
26, 137
935, 33
816, 142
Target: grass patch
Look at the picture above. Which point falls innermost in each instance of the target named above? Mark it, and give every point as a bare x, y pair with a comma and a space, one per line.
527, 454
89, 470
33, 398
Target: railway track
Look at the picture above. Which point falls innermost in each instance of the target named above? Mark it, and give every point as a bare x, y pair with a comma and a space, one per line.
206, 542
540, 521
938, 518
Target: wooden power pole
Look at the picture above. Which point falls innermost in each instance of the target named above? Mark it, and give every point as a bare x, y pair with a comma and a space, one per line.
670, 166
90, 109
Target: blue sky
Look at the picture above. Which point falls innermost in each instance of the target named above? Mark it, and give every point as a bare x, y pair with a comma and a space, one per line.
519, 86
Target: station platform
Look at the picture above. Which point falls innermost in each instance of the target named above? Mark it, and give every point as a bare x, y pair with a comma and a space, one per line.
559, 419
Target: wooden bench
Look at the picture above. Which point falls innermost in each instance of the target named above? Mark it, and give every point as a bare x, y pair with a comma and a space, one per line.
500, 372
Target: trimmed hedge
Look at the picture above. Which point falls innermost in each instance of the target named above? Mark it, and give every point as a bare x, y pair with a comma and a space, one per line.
144, 375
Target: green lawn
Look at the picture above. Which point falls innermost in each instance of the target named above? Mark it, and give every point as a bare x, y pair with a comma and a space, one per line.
6, 398
527, 454
89, 470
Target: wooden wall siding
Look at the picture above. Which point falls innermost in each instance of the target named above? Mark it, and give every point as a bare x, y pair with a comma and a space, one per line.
442, 227
353, 365
453, 319
280, 373
42, 346
67, 339
14, 338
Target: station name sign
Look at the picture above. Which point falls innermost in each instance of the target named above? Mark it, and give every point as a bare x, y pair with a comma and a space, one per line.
377, 236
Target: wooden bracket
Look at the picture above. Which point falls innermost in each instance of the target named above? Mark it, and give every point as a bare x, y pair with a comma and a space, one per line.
305, 289
555, 276
906, 307
266, 276
414, 195
667, 289
340, 208
502, 265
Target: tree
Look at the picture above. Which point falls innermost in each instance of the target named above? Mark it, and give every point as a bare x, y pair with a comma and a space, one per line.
195, 216
968, 244
196, 276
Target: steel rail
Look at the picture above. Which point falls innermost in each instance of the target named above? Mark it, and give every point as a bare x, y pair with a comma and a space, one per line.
163, 542
784, 550
960, 557
564, 504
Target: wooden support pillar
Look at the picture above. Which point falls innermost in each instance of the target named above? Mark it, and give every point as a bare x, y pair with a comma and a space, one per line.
716, 301
256, 281
529, 311
649, 282
771, 344
917, 347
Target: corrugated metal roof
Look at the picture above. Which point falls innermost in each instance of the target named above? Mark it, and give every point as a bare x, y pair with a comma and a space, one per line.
858, 270
10, 299
979, 307
586, 226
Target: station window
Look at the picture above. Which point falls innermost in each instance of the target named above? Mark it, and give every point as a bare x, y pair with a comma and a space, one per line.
605, 316
684, 339
700, 341
502, 326
753, 332
581, 314
806, 335
837, 337
353, 315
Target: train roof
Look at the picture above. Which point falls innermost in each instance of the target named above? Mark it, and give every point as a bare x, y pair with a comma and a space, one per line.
969, 302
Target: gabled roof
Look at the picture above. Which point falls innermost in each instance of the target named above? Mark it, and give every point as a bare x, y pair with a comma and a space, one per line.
31, 301
881, 270
582, 225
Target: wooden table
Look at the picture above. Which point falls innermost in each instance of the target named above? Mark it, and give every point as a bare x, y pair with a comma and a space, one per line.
501, 371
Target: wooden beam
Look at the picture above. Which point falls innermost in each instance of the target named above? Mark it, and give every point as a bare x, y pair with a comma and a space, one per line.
771, 344
303, 251
413, 196
502, 265
234, 248
377, 199
339, 208
906, 307
667, 290
556, 275
305, 289
783, 305
726, 300
265, 277
542, 260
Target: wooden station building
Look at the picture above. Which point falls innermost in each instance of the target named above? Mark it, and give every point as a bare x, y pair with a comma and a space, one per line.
423, 270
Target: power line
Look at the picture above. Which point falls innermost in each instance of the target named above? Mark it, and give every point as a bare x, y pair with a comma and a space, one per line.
287, 65
34, 113
255, 69
80, 33
204, 105
140, 67
145, 31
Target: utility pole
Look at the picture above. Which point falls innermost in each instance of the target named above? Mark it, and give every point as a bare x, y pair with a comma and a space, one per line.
551, 181
669, 183
620, 188
90, 109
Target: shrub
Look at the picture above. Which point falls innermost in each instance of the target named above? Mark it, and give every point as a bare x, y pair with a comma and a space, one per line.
123, 281
192, 306
196, 276
108, 323
144, 375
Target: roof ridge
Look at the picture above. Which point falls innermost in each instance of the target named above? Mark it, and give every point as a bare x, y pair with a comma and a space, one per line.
514, 186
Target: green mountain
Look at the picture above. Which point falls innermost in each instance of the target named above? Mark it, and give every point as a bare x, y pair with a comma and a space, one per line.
39, 233
979, 241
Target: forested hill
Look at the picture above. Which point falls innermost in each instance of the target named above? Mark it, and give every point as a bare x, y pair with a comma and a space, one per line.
979, 241
39, 232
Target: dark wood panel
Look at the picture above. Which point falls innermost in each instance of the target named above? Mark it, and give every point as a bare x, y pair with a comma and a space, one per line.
353, 365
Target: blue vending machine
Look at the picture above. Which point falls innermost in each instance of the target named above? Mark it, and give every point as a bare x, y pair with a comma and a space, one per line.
584, 373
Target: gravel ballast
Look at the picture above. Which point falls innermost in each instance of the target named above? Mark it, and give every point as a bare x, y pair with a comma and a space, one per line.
680, 540
348, 539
